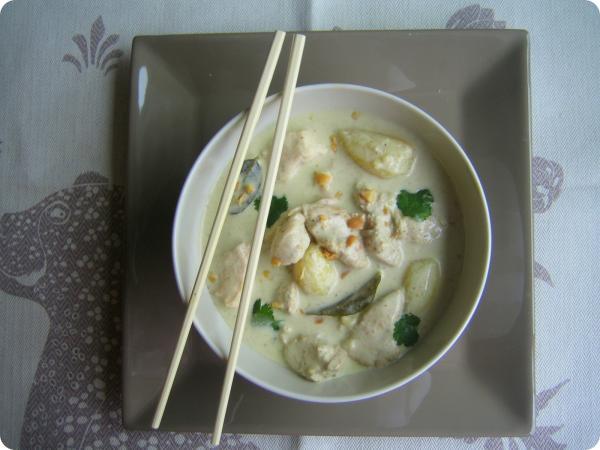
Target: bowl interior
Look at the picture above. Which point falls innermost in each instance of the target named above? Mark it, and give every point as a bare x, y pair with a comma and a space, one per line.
187, 245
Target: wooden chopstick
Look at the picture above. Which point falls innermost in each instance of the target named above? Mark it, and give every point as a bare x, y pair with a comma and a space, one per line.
215, 232
282, 121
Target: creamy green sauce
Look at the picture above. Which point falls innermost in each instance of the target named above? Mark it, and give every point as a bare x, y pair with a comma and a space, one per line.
427, 173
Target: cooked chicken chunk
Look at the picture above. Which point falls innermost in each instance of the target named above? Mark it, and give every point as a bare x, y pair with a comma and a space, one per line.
228, 287
382, 240
387, 229
374, 202
299, 147
381, 235
332, 227
287, 298
371, 341
290, 239
312, 358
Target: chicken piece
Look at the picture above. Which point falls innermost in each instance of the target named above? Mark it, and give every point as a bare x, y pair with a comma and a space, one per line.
287, 298
382, 240
312, 358
371, 341
419, 232
299, 147
290, 239
403, 227
328, 224
381, 234
228, 287
372, 201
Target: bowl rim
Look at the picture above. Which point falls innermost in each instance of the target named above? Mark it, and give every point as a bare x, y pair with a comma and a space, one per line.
233, 122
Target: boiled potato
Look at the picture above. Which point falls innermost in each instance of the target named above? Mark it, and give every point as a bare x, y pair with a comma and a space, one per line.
314, 273
378, 154
421, 284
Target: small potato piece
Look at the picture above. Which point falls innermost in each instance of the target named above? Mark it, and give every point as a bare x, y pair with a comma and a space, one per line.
314, 273
378, 154
421, 284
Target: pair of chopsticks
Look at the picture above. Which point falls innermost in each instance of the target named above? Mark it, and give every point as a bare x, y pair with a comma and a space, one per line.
251, 121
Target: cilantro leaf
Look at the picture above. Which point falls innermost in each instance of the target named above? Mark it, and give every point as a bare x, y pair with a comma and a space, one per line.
405, 330
263, 315
279, 205
417, 205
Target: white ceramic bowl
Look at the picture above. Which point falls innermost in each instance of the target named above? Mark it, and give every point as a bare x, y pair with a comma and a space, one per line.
261, 370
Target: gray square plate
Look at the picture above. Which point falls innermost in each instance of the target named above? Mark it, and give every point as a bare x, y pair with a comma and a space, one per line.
476, 83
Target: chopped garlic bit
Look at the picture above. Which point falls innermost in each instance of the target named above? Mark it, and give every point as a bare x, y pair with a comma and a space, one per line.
275, 261
333, 143
328, 255
356, 222
323, 179
242, 198
368, 195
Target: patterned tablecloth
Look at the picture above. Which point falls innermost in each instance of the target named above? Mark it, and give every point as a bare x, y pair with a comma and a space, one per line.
63, 104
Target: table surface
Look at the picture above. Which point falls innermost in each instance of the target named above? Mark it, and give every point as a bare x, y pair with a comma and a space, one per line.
63, 139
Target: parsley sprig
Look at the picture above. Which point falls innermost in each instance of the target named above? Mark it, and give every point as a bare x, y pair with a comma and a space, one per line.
279, 205
416, 205
263, 315
405, 330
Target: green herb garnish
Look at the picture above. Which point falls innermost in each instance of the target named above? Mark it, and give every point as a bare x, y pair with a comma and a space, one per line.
279, 205
417, 205
405, 330
263, 315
